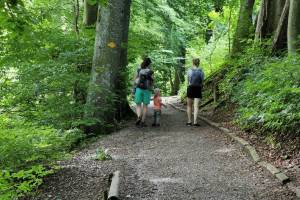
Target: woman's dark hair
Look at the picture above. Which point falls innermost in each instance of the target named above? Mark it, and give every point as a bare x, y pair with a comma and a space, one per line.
146, 62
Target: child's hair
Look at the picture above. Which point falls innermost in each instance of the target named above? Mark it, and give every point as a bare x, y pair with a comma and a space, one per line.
156, 91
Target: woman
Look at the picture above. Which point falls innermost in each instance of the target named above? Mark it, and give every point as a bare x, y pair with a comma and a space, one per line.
194, 91
143, 81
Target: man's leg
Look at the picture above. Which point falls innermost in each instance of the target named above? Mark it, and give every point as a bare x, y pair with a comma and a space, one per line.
196, 110
189, 109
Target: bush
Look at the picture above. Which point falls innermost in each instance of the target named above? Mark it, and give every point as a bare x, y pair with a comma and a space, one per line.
26, 151
269, 98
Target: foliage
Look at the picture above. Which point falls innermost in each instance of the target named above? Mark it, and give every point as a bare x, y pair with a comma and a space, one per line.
23, 148
44, 71
267, 92
15, 184
102, 155
269, 99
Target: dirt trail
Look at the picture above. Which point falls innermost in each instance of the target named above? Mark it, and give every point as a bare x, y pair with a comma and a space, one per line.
172, 162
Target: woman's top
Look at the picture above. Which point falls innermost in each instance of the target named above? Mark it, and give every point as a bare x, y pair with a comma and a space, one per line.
195, 77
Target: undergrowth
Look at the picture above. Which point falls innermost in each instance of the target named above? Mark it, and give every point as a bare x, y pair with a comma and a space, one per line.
27, 154
267, 92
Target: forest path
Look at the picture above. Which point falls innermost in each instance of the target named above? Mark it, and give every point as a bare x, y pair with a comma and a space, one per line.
172, 162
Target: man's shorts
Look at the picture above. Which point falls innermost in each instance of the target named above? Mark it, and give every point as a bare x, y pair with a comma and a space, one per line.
142, 96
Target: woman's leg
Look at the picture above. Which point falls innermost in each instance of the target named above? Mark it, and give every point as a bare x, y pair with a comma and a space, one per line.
189, 109
145, 109
138, 100
196, 110
139, 110
146, 101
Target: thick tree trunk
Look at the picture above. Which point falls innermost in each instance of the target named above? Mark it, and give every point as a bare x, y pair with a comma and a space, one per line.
90, 13
108, 63
268, 18
280, 36
123, 108
294, 27
244, 26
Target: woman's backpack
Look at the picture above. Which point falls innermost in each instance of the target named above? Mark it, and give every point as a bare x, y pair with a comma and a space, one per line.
144, 79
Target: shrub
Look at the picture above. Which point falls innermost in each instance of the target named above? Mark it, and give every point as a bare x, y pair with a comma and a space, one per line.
26, 151
269, 97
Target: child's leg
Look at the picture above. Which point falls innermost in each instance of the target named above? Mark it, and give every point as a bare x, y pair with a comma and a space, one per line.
158, 114
196, 109
154, 117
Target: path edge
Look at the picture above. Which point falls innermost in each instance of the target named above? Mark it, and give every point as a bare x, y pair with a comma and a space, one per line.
251, 151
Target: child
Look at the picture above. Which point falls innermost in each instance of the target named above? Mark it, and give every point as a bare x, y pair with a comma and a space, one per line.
157, 107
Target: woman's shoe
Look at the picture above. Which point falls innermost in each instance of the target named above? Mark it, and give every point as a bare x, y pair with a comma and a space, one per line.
196, 124
143, 124
189, 124
138, 121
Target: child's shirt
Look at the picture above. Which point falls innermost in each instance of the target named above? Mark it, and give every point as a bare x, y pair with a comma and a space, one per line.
157, 102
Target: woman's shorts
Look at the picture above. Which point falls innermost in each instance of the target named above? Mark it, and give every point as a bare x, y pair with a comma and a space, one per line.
194, 92
142, 96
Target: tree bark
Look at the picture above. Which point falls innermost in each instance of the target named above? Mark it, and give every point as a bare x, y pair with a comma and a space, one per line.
294, 27
123, 108
90, 13
179, 70
280, 36
244, 26
108, 62
268, 18
76, 16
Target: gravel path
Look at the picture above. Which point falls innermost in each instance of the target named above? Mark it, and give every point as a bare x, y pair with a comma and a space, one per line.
172, 162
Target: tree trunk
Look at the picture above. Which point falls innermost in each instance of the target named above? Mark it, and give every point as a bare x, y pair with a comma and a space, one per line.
294, 27
268, 18
76, 16
244, 26
280, 37
179, 70
90, 13
108, 63
123, 108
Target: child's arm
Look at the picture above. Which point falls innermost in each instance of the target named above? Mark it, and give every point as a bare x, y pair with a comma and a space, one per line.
164, 105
